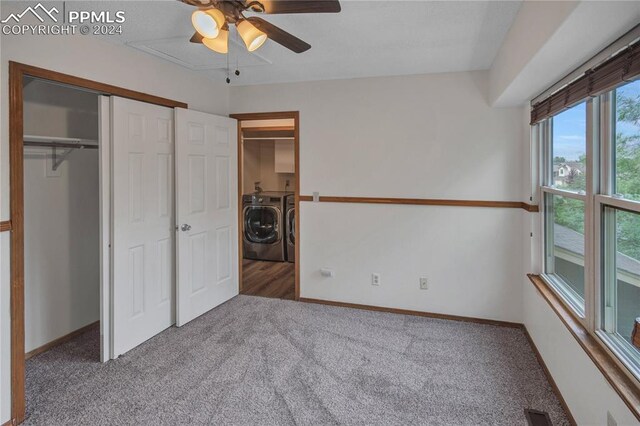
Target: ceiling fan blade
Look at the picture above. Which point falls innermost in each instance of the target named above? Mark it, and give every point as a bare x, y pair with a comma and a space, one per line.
279, 35
197, 3
301, 6
196, 38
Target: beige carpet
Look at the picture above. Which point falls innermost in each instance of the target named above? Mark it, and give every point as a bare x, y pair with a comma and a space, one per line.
276, 362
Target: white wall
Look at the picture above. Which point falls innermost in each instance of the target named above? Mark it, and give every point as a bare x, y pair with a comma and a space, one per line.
101, 61
250, 166
62, 257
431, 136
55, 110
549, 39
587, 393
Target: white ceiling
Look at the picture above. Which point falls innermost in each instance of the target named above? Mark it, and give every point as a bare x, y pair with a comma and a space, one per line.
368, 38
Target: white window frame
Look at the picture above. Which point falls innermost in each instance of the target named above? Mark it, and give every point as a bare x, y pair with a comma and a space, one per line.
605, 324
598, 194
547, 186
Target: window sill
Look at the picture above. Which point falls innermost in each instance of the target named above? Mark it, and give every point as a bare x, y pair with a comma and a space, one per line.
571, 299
627, 388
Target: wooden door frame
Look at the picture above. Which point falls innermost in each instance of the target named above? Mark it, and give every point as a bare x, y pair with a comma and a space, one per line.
295, 115
17, 72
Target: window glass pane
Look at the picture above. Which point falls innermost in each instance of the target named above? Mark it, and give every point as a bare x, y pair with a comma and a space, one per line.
622, 271
564, 222
569, 148
627, 141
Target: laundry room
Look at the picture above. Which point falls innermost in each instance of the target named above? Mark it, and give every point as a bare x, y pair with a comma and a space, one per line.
268, 183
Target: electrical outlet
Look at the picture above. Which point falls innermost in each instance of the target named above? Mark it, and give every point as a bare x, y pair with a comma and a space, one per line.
424, 284
375, 279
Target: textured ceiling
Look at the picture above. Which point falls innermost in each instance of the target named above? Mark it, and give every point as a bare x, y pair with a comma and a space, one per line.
368, 38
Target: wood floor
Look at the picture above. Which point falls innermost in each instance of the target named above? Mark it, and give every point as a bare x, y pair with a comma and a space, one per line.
268, 279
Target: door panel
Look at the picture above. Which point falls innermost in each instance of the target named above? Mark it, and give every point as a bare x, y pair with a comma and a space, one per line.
206, 185
143, 221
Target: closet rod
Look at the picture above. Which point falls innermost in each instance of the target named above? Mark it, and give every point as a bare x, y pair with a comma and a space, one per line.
60, 145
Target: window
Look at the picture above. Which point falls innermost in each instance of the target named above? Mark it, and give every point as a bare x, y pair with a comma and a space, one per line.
565, 196
619, 251
592, 226
587, 129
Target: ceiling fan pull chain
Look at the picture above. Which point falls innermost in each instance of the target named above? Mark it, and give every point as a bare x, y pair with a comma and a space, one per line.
237, 56
228, 79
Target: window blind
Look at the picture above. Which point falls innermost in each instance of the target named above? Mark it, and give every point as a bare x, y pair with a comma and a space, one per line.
622, 67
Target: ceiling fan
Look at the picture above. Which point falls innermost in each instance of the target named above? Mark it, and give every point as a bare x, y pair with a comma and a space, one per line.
212, 19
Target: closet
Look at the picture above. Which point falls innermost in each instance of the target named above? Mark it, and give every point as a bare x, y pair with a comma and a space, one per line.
130, 216
128, 204
61, 213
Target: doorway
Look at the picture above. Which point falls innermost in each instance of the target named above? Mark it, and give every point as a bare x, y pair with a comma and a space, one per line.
268, 204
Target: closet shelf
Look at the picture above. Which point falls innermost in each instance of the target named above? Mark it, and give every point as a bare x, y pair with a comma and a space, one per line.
55, 143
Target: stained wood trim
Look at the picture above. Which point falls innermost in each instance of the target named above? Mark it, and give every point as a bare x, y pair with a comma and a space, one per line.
279, 128
425, 202
295, 115
296, 153
16, 188
627, 388
547, 373
5, 226
61, 340
107, 89
265, 115
240, 212
8, 423
17, 72
266, 133
414, 313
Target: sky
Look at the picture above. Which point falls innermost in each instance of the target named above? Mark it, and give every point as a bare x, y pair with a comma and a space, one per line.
569, 133
629, 90
570, 126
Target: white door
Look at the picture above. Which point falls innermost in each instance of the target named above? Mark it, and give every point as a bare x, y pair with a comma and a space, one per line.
143, 221
207, 212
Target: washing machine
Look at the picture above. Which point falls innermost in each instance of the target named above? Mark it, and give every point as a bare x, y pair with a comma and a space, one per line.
290, 230
263, 226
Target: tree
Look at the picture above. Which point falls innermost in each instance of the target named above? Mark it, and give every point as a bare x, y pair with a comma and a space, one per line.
628, 147
628, 172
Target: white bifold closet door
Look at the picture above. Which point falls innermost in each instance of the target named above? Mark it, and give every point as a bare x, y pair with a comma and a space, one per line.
207, 212
143, 225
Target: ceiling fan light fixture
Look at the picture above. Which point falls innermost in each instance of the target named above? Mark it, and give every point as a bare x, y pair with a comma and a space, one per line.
208, 22
253, 38
219, 44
